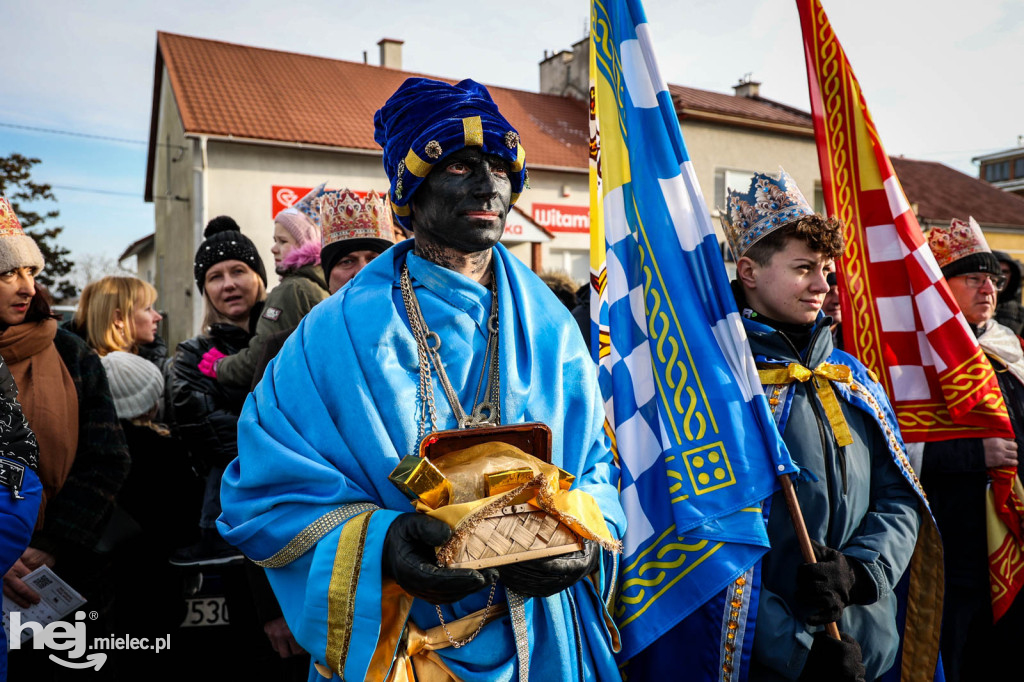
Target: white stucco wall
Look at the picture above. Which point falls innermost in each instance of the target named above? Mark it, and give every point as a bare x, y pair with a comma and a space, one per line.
563, 188
239, 177
173, 244
715, 148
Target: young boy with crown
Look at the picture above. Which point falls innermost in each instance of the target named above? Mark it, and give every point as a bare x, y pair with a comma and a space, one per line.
858, 495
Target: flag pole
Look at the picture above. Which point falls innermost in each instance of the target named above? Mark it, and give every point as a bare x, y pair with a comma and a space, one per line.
802, 537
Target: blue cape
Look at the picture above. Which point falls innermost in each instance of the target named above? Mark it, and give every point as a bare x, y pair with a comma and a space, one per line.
338, 408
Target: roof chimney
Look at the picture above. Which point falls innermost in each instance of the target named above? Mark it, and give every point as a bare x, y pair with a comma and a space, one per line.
391, 53
747, 87
567, 73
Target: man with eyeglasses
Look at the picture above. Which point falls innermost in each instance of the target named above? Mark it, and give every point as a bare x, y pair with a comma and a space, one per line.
956, 473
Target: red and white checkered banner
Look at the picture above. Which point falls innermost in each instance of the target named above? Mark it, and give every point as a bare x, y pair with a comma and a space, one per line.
899, 316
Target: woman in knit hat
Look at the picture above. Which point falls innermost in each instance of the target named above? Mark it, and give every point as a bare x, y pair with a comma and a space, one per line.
136, 386
296, 227
230, 275
64, 393
297, 259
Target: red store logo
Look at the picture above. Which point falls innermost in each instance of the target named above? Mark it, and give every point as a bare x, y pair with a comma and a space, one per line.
562, 218
285, 196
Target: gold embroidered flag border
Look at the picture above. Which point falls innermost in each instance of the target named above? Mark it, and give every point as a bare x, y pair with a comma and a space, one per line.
899, 315
1004, 513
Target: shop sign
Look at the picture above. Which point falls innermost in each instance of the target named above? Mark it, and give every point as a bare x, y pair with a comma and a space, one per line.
562, 218
518, 229
283, 197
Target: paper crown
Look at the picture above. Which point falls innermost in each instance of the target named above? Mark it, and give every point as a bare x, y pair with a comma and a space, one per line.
17, 249
343, 215
959, 240
769, 204
307, 205
9, 223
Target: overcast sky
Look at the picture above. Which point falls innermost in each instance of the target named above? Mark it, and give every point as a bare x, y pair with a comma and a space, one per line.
942, 79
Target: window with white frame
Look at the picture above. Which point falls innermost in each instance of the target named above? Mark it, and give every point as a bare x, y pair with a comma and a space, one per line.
726, 179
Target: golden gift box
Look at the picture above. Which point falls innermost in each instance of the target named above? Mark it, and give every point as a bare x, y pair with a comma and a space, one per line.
420, 480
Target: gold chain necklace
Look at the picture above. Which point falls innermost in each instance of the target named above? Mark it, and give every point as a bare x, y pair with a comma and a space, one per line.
488, 412
428, 346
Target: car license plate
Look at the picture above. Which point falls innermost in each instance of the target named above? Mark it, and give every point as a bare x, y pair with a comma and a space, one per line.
206, 611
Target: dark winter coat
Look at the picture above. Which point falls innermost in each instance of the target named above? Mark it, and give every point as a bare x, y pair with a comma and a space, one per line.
206, 410
77, 516
1009, 311
160, 498
956, 479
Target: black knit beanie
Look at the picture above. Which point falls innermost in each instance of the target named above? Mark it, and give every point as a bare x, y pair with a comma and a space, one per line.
981, 261
225, 241
332, 254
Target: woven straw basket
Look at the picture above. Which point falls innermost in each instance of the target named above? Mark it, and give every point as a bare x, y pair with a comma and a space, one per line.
516, 533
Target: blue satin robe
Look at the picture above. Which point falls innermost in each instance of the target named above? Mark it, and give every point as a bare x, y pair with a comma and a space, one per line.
338, 408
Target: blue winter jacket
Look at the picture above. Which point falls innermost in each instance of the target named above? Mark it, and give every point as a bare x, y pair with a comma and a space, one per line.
20, 489
854, 499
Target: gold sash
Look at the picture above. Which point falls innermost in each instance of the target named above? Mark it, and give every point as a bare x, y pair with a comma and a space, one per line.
822, 375
407, 654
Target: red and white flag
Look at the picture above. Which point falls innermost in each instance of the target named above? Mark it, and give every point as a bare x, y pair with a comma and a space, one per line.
899, 316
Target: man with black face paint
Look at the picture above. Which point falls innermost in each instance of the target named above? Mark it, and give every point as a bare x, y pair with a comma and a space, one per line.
309, 498
459, 213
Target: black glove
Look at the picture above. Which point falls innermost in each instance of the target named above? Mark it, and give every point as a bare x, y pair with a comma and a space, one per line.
824, 589
833, 660
409, 557
547, 576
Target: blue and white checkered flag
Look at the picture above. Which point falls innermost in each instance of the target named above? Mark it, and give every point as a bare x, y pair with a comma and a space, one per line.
689, 422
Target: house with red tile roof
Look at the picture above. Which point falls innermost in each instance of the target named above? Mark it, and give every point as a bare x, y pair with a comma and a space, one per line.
244, 131
938, 193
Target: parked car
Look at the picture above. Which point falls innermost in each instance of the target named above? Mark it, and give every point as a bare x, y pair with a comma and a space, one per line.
66, 312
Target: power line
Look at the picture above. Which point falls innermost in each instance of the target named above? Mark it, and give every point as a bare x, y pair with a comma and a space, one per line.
55, 131
94, 190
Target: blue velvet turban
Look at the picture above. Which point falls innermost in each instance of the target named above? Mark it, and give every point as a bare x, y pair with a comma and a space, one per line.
426, 120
